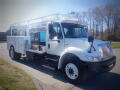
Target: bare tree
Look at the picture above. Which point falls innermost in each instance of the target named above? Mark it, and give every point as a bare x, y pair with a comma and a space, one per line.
103, 21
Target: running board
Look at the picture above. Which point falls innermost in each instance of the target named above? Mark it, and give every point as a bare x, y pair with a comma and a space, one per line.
51, 59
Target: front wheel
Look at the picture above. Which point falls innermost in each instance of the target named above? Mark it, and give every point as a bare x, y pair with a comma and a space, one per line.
73, 71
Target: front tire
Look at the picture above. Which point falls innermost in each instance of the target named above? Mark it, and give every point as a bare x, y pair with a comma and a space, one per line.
74, 71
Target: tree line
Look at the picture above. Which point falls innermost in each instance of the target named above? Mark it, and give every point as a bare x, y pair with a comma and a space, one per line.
102, 22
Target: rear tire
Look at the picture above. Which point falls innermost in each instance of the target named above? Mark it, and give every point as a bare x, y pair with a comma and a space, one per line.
13, 54
73, 70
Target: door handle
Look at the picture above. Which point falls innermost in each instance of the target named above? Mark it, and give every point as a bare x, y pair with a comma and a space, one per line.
58, 41
48, 46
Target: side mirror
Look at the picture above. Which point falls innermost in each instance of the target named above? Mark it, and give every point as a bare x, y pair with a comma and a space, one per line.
90, 39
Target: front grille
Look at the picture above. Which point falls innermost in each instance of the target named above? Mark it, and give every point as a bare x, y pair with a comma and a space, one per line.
102, 66
108, 61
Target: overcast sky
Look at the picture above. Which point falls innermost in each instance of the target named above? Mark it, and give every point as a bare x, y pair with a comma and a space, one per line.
12, 11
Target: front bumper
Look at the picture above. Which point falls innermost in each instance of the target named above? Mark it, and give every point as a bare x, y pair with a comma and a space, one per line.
103, 66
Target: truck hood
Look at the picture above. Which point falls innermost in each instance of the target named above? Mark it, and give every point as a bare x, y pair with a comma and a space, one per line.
82, 43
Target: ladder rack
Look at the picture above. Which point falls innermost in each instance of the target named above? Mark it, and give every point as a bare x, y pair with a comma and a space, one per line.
54, 17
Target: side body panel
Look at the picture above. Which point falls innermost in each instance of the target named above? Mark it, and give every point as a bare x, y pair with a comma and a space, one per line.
18, 42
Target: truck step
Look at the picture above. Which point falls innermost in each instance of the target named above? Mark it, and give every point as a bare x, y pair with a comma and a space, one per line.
52, 57
51, 63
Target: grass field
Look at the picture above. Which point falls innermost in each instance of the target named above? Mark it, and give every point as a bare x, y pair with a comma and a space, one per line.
12, 78
116, 44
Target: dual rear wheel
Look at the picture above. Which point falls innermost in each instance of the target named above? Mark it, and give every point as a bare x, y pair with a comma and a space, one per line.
14, 55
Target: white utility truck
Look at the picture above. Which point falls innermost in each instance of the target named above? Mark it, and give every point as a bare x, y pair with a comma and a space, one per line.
62, 39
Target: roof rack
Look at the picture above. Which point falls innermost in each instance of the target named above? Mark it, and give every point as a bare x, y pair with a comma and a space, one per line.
54, 17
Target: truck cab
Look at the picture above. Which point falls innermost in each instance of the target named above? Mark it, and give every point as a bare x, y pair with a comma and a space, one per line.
68, 43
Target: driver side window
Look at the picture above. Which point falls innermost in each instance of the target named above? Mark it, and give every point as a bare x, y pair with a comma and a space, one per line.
55, 31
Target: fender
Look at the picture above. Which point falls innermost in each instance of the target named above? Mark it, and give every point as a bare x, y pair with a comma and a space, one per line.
76, 52
11, 46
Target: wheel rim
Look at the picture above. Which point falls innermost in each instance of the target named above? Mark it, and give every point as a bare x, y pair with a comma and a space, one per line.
12, 53
71, 71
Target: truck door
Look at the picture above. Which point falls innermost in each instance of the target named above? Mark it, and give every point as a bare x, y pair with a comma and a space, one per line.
55, 44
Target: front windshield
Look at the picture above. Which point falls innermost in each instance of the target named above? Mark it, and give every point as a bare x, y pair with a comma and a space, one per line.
74, 30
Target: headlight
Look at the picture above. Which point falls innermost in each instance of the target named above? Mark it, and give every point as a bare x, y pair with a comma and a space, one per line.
110, 47
92, 58
101, 52
105, 51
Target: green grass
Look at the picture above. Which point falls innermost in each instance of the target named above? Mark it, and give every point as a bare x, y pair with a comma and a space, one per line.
12, 78
116, 44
